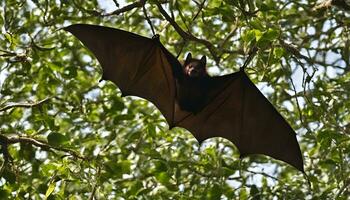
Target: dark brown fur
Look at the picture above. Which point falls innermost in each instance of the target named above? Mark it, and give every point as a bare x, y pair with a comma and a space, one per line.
193, 84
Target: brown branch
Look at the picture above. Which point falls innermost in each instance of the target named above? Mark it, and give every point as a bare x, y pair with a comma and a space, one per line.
187, 36
312, 61
24, 105
200, 8
342, 4
296, 52
7, 53
5, 152
4, 141
126, 8
265, 174
324, 4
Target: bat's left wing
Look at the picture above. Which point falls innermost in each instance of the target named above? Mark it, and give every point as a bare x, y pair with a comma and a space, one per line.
238, 111
139, 66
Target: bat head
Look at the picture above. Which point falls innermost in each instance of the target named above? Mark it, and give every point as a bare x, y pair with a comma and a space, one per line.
194, 67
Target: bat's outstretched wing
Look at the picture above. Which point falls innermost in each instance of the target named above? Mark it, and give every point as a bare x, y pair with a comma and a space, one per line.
139, 66
239, 112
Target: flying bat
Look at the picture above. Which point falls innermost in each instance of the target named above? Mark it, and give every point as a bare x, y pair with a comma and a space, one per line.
228, 106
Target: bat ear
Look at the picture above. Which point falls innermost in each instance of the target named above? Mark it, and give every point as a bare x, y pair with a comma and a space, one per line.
188, 58
204, 60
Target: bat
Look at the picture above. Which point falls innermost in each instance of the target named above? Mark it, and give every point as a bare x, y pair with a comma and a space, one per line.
228, 106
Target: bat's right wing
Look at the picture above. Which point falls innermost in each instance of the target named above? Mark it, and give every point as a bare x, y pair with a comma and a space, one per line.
238, 111
139, 66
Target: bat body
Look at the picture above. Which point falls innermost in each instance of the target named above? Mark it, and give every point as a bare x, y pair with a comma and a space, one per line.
228, 106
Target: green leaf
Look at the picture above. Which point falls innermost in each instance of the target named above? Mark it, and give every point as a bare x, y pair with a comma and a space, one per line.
26, 66
228, 171
278, 52
243, 193
122, 117
163, 178
151, 129
124, 166
27, 152
271, 34
4, 194
50, 189
117, 169
257, 24
248, 36
54, 66
135, 187
8, 37
215, 192
57, 139
9, 175
70, 72
258, 34
42, 188
254, 193
160, 166
117, 104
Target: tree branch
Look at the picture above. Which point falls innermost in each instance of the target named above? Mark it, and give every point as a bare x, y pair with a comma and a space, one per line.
7, 53
264, 174
188, 36
24, 105
5, 141
7, 156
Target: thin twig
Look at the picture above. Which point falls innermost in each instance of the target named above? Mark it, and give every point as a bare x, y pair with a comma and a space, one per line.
294, 51
296, 97
229, 36
95, 184
126, 8
148, 19
343, 188
251, 55
119, 11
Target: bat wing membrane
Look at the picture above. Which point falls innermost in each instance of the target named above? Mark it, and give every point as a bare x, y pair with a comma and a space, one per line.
137, 65
239, 112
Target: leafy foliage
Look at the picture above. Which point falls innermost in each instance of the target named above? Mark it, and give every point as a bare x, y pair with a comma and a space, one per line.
65, 135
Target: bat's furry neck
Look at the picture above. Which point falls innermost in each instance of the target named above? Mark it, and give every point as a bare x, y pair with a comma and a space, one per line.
192, 84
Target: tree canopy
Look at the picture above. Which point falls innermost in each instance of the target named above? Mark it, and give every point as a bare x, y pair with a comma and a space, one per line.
65, 134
